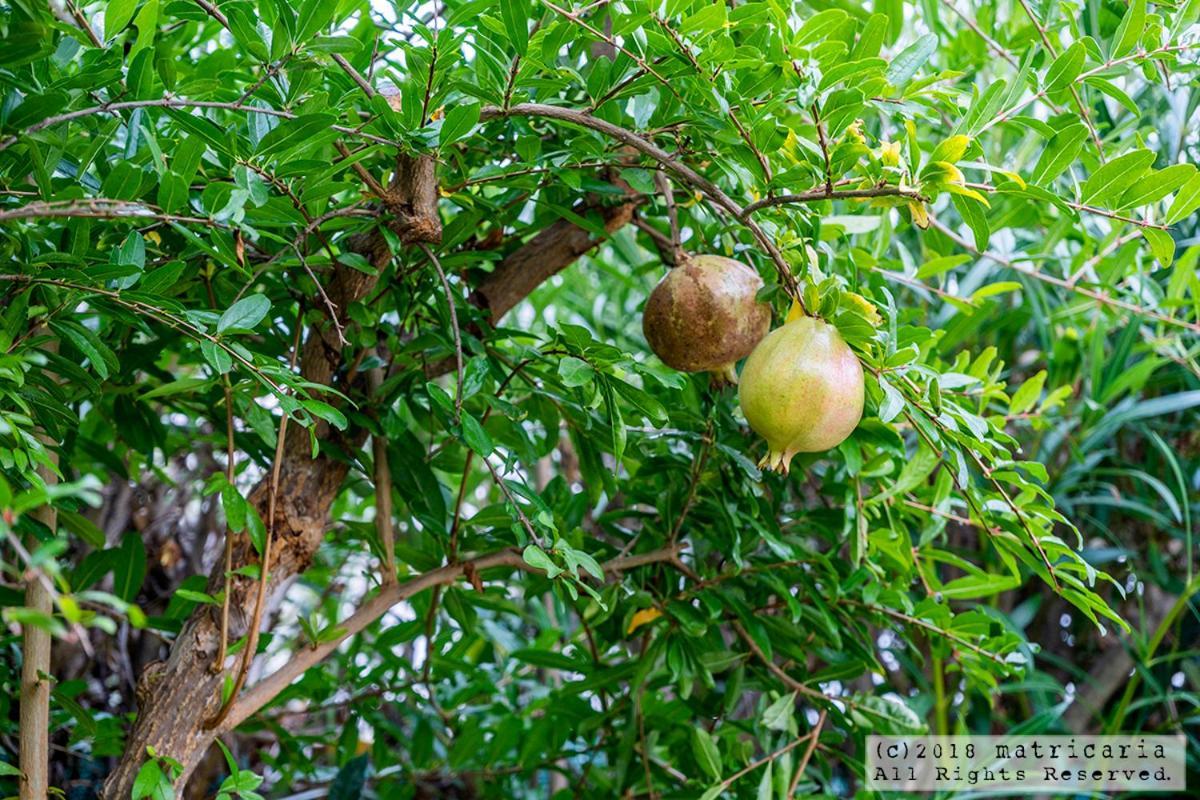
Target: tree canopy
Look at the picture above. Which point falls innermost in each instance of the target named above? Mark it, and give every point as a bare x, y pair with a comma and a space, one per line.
334, 454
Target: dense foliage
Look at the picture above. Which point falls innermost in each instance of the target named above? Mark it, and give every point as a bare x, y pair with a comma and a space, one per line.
511, 553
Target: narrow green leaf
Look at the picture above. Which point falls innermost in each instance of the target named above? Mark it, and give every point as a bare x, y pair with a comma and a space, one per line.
117, 15
515, 14
1186, 201
908, 61
1066, 67
1132, 26
1024, 398
1112, 179
704, 749
1060, 153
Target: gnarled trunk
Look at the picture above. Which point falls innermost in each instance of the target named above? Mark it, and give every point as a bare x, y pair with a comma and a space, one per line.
175, 697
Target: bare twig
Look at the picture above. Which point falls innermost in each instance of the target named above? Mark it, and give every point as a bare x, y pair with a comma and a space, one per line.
214, 12
97, 208
458, 349
355, 75
668, 195
178, 102
384, 526
808, 751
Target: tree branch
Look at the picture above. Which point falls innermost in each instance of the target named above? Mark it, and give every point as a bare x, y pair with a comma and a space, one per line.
34, 755
179, 102
826, 193
714, 193
1062, 283
265, 690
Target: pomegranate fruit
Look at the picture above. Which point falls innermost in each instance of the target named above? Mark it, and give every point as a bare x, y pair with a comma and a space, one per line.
802, 390
704, 316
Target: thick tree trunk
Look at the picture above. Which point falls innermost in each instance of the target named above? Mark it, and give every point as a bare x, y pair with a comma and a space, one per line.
176, 697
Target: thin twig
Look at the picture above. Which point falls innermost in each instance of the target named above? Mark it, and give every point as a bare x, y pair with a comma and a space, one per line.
1099, 297
808, 751
355, 75
458, 349
828, 193
1087, 118
223, 643
668, 195
384, 526
648, 148
178, 102
214, 12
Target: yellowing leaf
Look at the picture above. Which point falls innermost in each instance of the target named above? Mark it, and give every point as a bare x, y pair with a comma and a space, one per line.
643, 617
919, 214
951, 149
865, 307
889, 153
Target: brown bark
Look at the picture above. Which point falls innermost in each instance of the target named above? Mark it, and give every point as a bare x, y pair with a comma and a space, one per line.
176, 696
545, 255
34, 747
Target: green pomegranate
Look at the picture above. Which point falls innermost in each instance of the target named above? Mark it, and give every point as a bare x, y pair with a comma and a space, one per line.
704, 316
802, 390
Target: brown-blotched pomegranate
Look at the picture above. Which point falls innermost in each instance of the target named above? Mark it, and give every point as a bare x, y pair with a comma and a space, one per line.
802, 390
703, 316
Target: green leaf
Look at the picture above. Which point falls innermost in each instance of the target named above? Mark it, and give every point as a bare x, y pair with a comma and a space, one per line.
906, 64
1112, 179
1161, 244
1156, 185
515, 14
117, 15
476, 437
245, 314
537, 558
575, 371
152, 783
1060, 153
1186, 201
1024, 398
1066, 68
129, 567
458, 123
704, 749
973, 215
1132, 26
950, 150
314, 16
172, 192
818, 26
216, 356
778, 715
